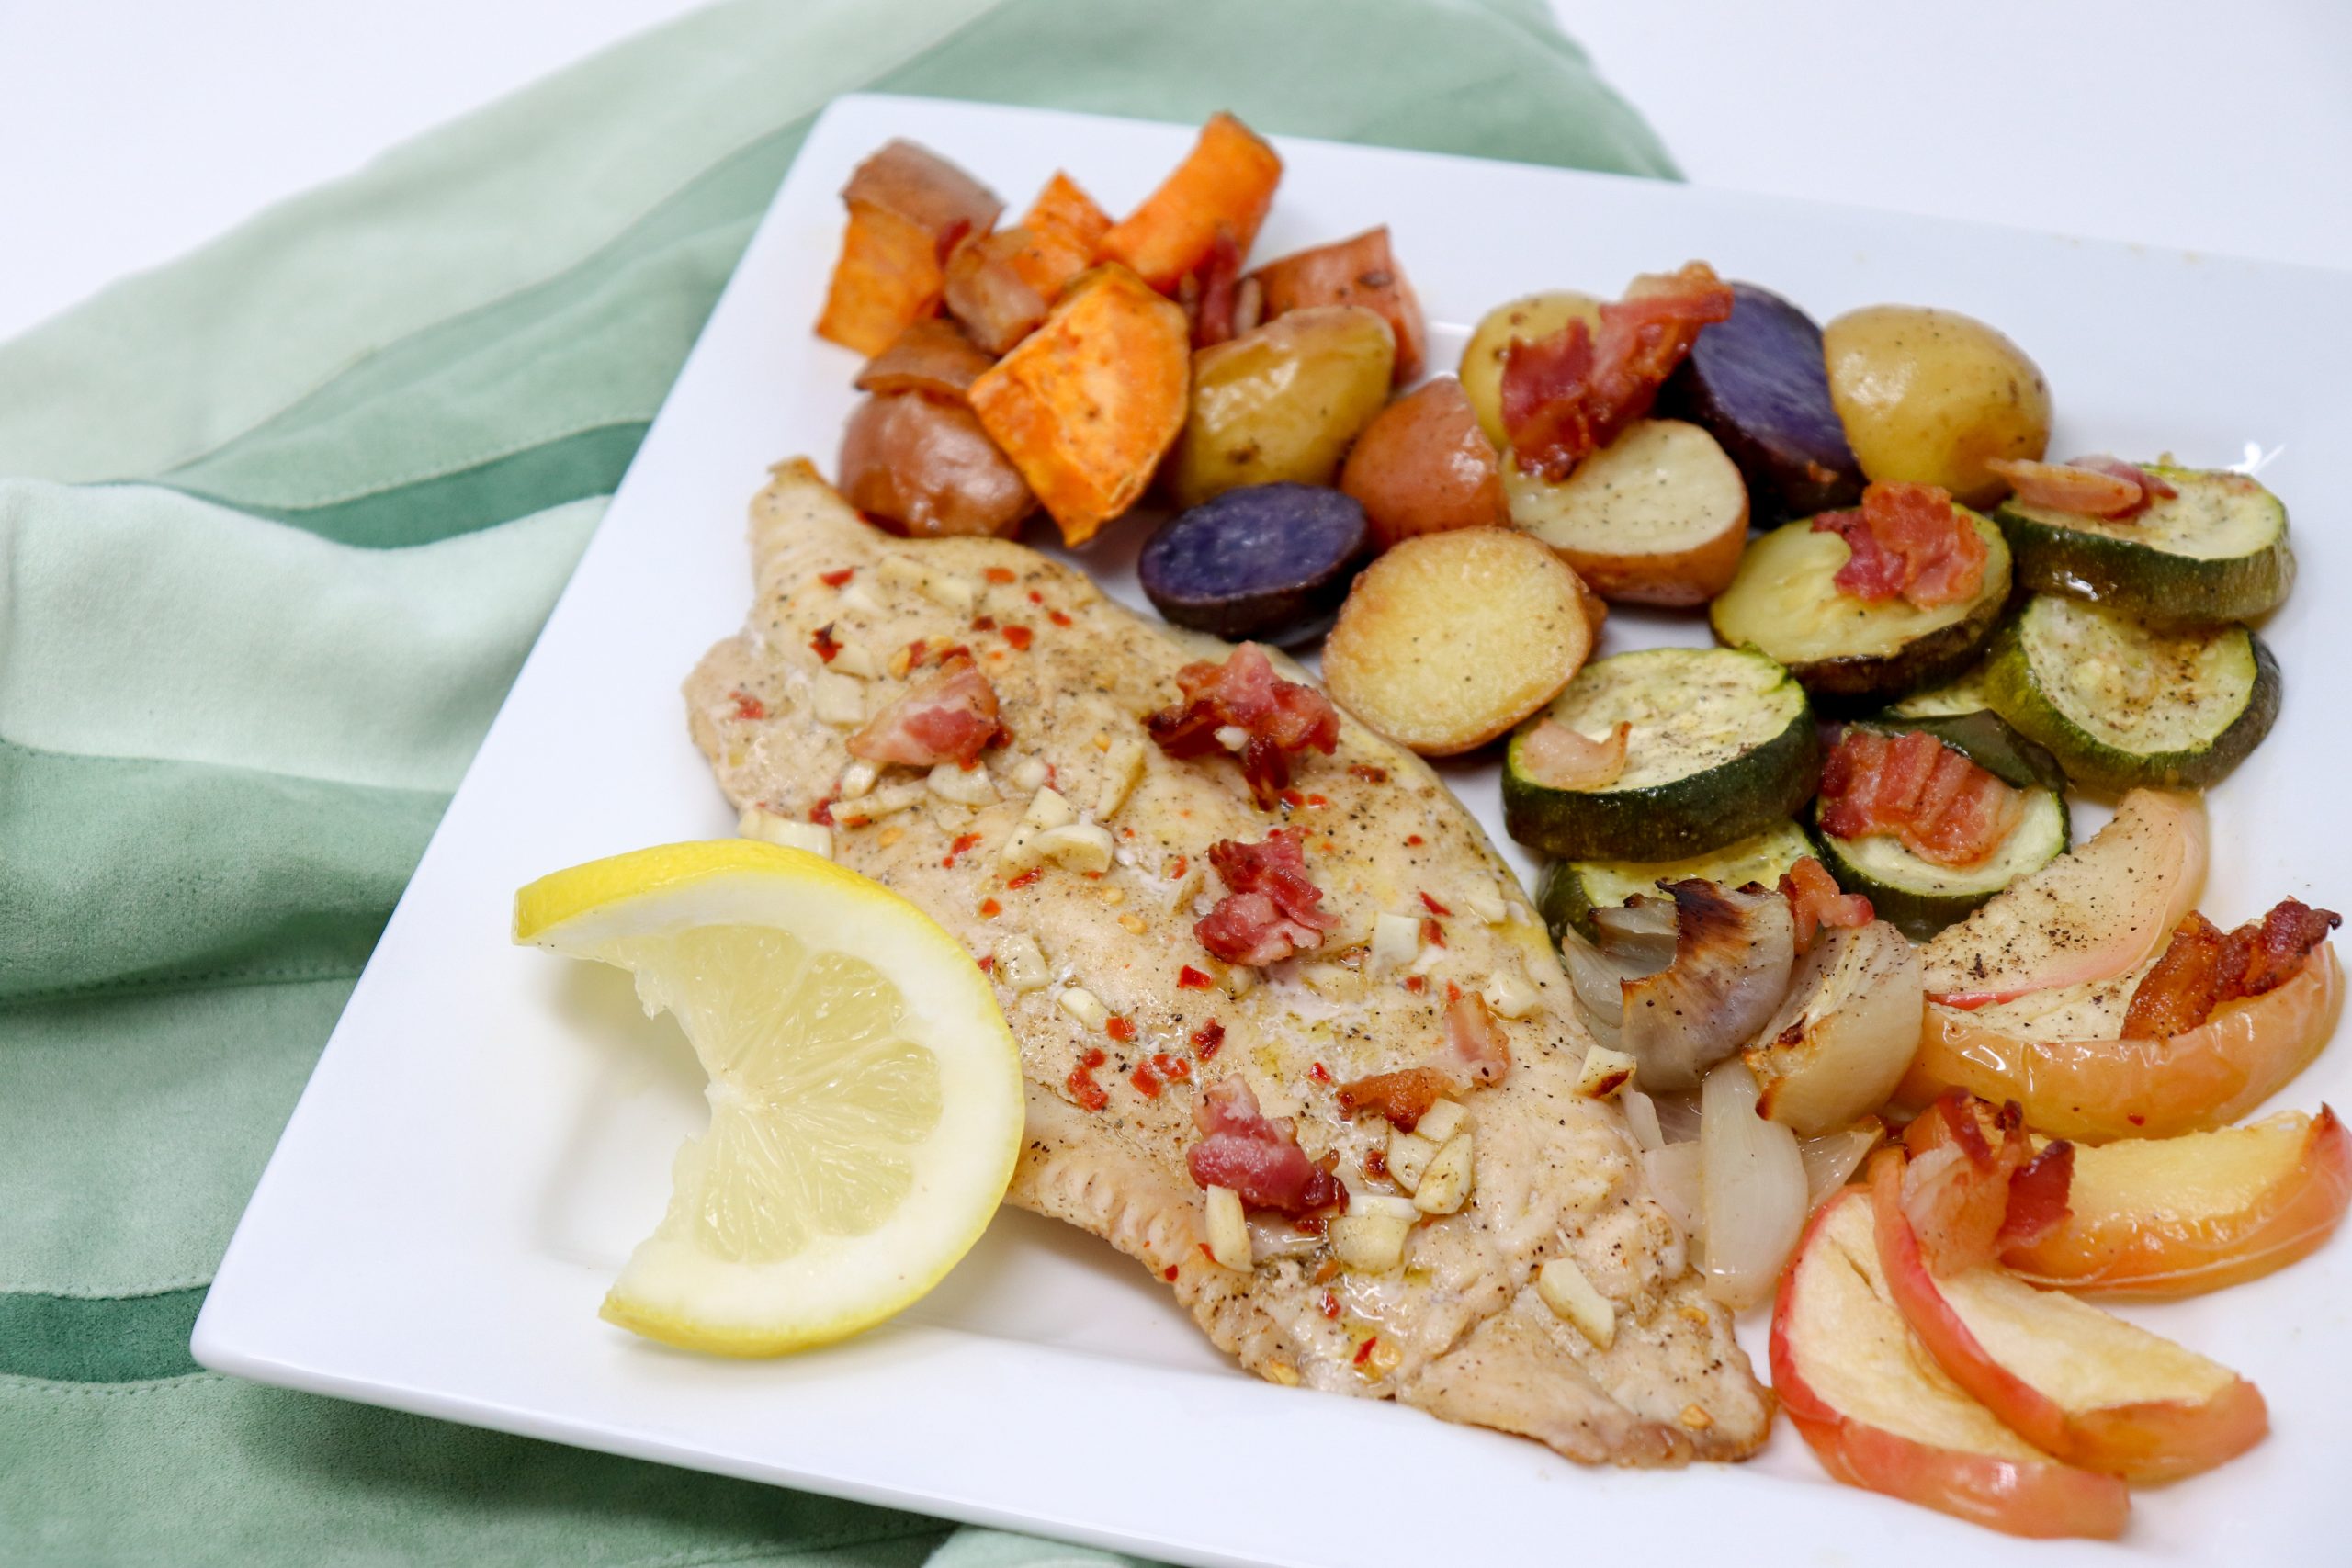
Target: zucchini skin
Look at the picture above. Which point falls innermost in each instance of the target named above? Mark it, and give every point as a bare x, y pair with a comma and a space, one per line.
2010, 687
1916, 915
1986, 738
1684, 816
2155, 585
1563, 900
1858, 680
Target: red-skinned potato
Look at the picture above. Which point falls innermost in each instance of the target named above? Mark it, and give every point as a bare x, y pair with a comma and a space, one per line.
923, 467
929, 357
1357, 271
1423, 466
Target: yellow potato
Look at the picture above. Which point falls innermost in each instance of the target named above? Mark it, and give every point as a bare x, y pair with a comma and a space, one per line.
1928, 396
1524, 321
1282, 403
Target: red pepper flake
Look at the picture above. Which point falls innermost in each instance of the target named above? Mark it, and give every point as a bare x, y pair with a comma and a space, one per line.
1319, 1072
1020, 638
1316, 801
1367, 773
1168, 1273
1025, 879
1414, 840
1178, 866
837, 578
1330, 1305
1416, 983
1293, 800
1089, 1095
1191, 979
823, 644
1453, 993
999, 575
990, 908
1057, 617
748, 705
822, 812
1432, 933
984, 623
1206, 1253
2135, 1119
1035, 597
1434, 907
1207, 1038
1120, 1028
964, 844
987, 961
1175, 1069
1146, 1082
1375, 1164
1364, 1352
1093, 1058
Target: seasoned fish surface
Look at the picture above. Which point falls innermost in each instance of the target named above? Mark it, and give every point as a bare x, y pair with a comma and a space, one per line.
1117, 1006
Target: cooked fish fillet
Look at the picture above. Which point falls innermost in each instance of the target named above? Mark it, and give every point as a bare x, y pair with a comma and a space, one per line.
1460, 1330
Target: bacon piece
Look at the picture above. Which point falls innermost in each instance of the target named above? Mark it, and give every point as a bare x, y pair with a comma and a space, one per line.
2201, 967
1282, 718
1914, 787
1815, 901
1907, 540
2101, 487
1962, 1183
2037, 1193
1404, 1096
950, 717
1273, 911
1558, 757
1474, 1041
1569, 395
1256, 1156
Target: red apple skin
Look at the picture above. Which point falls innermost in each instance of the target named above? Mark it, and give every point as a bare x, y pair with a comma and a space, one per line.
2150, 1442
2041, 1501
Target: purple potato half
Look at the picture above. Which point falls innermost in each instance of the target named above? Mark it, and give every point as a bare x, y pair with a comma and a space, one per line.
1268, 563
1757, 382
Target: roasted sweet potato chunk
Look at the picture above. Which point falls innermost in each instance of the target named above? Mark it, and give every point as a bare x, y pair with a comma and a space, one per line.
1359, 271
1086, 405
1001, 285
907, 209
1227, 181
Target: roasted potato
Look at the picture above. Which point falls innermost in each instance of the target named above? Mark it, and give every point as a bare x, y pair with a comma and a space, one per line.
1268, 563
1424, 466
1449, 640
1000, 286
929, 357
1086, 405
1928, 396
921, 466
1522, 321
1759, 384
1357, 271
1658, 516
908, 209
1282, 403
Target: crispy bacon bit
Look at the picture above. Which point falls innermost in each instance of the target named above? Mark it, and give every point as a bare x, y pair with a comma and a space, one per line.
822, 812
837, 578
1273, 911
1292, 800
1554, 755
1257, 1157
984, 623
964, 844
951, 718
1208, 1039
1217, 285
2202, 967
821, 643
1474, 1041
1089, 1094
1364, 1352
1907, 541
747, 707
1367, 773
1404, 1096
1815, 900
1169, 1273
1191, 979
1282, 718
999, 575
1434, 907
1020, 638
1416, 983
1570, 394
1970, 1169
985, 963
2105, 488
1146, 1082
1914, 787
1432, 933
1178, 866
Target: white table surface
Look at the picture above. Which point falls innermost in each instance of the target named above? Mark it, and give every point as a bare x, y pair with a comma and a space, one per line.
133, 129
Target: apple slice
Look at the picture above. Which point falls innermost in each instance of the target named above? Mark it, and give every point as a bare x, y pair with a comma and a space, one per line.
2096, 911
2056, 1054
2077, 1382
2176, 1216
1879, 1413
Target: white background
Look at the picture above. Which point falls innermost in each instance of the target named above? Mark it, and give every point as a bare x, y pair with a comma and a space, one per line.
133, 129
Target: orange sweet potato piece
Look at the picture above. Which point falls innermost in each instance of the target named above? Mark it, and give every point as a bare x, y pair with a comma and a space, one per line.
1359, 271
1000, 286
1086, 405
908, 209
1067, 230
1227, 181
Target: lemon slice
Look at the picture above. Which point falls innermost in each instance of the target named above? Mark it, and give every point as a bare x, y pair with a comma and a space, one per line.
865, 1098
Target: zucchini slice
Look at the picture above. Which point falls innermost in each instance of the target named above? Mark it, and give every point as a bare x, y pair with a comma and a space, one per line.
2123, 704
1785, 603
2217, 551
1722, 746
1919, 897
1985, 739
1571, 890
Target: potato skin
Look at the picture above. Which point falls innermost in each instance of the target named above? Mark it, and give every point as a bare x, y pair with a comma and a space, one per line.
1521, 321
923, 467
1928, 396
1282, 403
1424, 466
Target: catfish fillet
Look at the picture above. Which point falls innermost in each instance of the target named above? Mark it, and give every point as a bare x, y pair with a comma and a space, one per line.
1112, 996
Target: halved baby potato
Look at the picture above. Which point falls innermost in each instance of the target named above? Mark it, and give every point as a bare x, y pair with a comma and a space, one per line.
1449, 639
1536, 316
1658, 516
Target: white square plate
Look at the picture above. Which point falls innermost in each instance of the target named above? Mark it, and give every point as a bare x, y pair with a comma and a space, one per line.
490, 1129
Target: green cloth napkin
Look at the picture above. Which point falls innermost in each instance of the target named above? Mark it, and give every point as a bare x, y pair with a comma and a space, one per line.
282, 521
